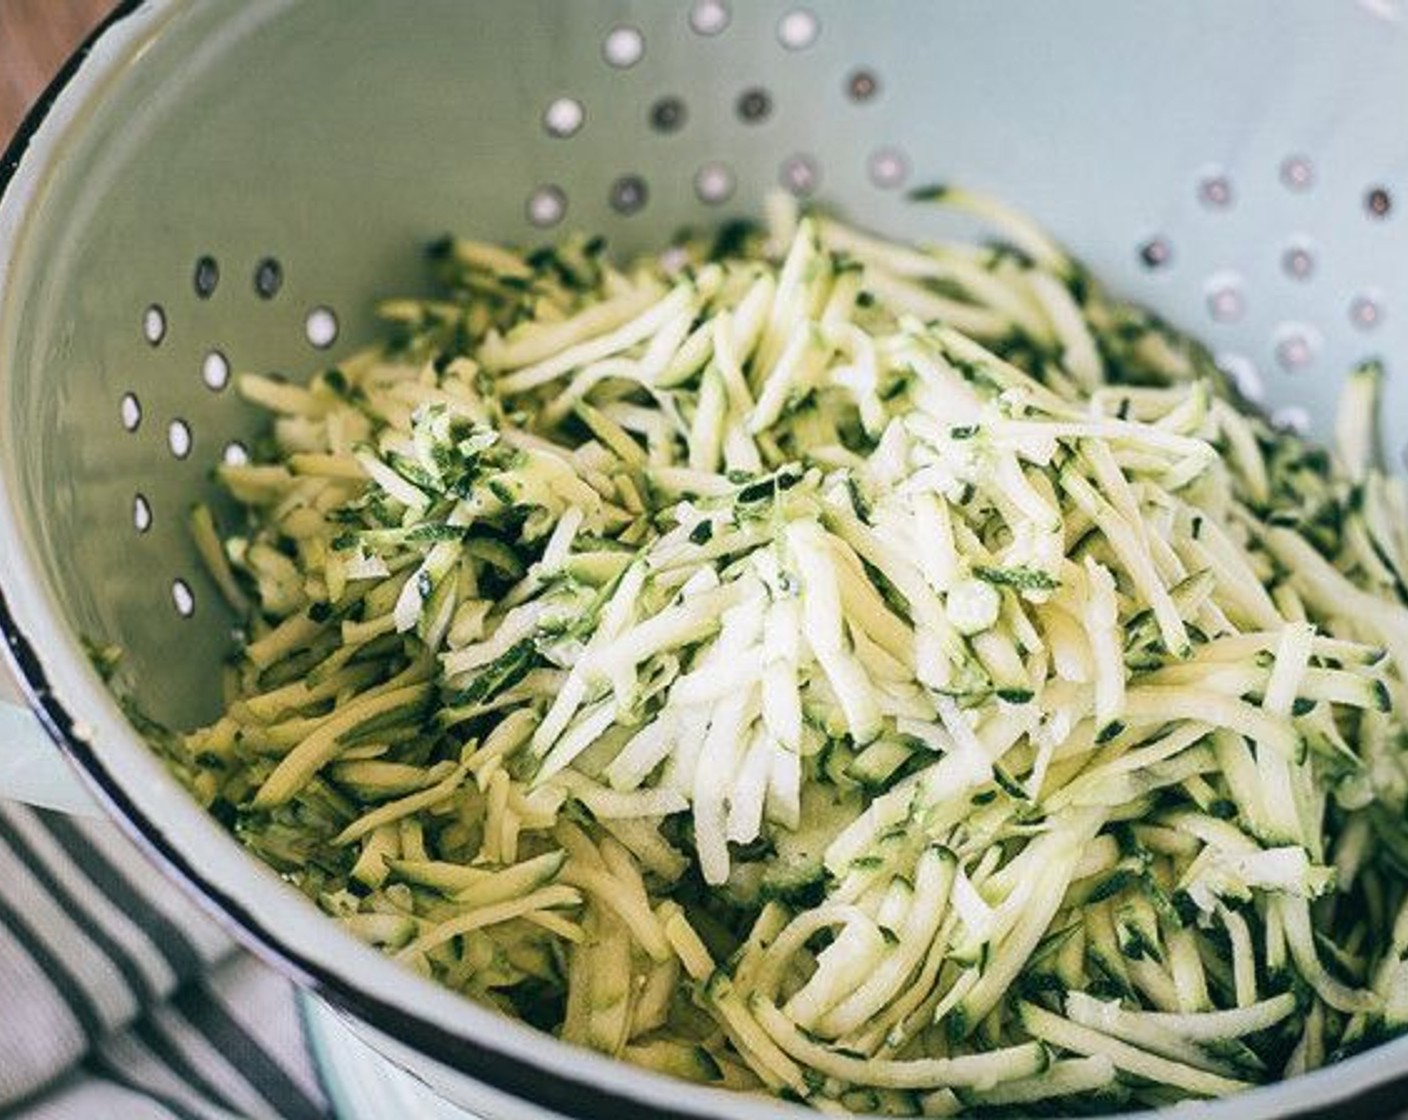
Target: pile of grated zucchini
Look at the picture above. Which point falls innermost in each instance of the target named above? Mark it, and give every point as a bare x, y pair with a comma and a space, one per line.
900, 679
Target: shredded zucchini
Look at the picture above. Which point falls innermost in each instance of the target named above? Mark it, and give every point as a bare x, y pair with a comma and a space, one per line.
907, 679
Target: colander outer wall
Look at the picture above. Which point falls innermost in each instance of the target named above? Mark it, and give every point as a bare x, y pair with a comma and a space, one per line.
525, 1080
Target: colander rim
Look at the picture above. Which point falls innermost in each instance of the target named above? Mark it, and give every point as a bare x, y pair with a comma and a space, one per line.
472, 1052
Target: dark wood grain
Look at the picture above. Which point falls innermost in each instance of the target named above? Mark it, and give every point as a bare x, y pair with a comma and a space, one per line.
35, 38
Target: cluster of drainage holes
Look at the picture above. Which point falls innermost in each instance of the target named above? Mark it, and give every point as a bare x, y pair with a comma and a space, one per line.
321, 329
564, 116
1297, 174
320, 326
714, 183
1224, 296
624, 46
797, 29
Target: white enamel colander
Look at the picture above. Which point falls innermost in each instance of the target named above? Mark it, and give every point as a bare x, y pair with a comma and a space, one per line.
218, 185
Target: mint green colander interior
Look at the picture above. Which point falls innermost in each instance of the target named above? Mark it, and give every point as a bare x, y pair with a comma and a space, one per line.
248, 175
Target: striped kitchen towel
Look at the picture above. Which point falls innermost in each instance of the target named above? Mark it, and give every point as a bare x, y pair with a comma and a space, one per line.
119, 1000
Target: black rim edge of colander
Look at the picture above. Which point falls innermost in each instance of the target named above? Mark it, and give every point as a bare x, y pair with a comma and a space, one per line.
496, 1069
30, 122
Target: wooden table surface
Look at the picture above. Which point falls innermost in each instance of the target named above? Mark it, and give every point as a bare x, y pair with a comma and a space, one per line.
35, 38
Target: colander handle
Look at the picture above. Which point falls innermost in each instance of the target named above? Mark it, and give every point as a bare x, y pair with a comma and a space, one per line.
34, 770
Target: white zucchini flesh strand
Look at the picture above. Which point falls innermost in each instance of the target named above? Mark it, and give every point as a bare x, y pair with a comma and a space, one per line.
766, 1058
841, 968
823, 628
714, 776
972, 1070
1214, 1026
1134, 557
749, 794
1102, 620
1356, 421
1053, 860
1068, 1035
1141, 1030
1295, 914
631, 907
933, 878
1277, 782
1063, 1078
1079, 352
548, 898
1331, 592
1157, 704
574, 357
543, 342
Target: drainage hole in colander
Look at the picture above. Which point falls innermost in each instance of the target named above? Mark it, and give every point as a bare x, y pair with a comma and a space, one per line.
1296, 345
130, 410
235, 454
1156, 252
623, 47
1225, 301
1297, 173
563, 117
709, 17
800, 174
178, 438
1298, 261
215, 371
1378, 202
207, 277
713, 183
1366, 310
862, 85
1244, 374
321, 327
1291, 418
668, 114
798, 29
546, 206
888, 168
268, 278
628, 194
754, 105
183, 598
154, 324
1215, 189
141, 513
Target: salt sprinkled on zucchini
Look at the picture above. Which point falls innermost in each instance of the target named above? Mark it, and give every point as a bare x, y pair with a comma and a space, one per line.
906, 679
